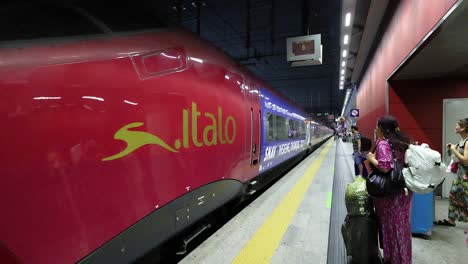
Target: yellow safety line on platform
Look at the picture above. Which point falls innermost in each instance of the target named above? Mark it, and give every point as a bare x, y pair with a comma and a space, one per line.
260, 248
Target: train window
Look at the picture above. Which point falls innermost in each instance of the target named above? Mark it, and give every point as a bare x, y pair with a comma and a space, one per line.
296, 129
280, 128
292, 129
123, 15
302, 130
270, 131
26, 20
313, 130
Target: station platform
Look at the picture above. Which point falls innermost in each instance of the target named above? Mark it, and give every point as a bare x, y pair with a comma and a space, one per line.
298, 220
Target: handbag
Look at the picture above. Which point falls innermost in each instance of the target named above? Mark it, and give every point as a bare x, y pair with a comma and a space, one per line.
452, 167
382, 184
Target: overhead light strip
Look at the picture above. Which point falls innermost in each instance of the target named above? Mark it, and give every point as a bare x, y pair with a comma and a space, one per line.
346, 30
348, 19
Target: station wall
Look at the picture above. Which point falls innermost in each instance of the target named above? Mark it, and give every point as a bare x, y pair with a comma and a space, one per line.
418, 105
412, 20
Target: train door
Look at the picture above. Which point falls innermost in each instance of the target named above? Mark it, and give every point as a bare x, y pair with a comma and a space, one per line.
255, 123
307, 131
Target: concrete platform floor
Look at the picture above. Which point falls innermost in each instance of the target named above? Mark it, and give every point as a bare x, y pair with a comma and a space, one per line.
447, 244
306, 238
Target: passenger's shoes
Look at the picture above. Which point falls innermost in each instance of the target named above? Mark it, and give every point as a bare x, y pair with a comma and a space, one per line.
444, 222
423, 236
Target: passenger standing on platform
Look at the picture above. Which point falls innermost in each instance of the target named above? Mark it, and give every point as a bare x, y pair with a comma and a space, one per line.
357, 148
458, 197
342, 127
393, 212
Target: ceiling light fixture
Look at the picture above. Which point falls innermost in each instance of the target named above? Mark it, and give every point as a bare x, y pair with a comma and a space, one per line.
348, 19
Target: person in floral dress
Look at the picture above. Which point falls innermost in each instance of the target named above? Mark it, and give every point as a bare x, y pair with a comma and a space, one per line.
393, 212
458, 197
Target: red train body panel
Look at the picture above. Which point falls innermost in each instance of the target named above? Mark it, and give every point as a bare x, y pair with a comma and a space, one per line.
99, 132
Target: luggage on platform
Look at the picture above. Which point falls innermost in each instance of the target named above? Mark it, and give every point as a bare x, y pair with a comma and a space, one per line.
422, 215
360, 234
360, 231
424, 169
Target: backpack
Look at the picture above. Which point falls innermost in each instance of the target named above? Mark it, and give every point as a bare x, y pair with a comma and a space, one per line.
424, 169
366, 143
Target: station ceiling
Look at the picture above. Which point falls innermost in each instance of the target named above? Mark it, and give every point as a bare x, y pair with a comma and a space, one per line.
254, 33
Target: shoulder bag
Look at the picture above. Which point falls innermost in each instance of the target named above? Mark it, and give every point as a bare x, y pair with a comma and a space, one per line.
381, 184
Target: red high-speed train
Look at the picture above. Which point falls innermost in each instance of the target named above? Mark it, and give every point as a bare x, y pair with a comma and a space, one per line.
118, 134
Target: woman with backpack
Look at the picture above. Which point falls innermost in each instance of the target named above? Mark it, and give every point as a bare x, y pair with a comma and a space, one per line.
458, 197
393, 211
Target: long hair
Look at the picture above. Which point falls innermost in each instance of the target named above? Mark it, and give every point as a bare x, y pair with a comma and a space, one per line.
391, 131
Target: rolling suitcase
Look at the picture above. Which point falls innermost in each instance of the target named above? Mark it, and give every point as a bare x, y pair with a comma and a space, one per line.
422, 215
360, 234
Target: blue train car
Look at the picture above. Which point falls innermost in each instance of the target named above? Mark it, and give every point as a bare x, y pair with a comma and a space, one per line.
285, 131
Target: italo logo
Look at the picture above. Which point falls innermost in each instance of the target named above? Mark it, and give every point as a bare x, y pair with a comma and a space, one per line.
222, 131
